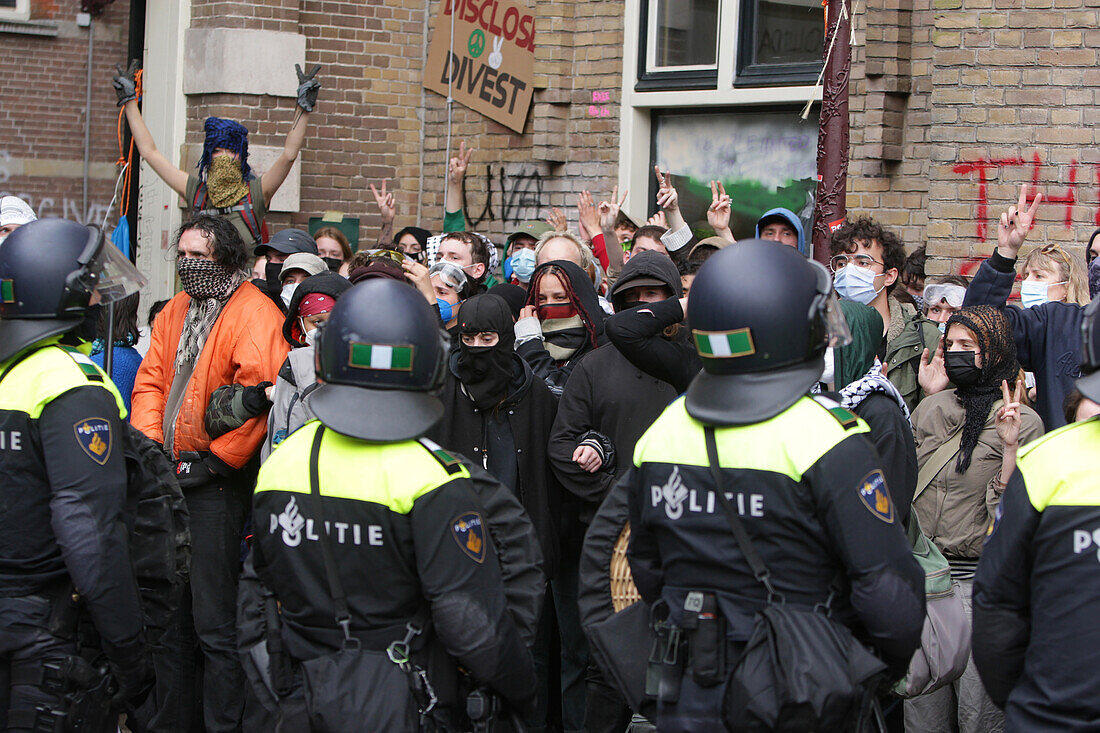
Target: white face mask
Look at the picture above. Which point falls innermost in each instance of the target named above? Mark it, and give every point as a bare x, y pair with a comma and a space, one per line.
853, 282
827, 376
287, 293
311, 337
1033, 292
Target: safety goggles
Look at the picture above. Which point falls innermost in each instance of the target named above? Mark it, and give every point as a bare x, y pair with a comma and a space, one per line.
388, 254
450, 274
951, 294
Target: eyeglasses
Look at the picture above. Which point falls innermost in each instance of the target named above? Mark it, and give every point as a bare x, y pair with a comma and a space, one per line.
839, 262
1054, 249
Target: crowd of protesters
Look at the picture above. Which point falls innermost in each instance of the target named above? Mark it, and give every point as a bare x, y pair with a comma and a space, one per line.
565, 345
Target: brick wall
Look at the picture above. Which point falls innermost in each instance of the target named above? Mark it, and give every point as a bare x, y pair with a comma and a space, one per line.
1001, 93
42, 99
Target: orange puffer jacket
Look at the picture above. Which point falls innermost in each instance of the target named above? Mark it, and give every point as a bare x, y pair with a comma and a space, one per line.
245, 346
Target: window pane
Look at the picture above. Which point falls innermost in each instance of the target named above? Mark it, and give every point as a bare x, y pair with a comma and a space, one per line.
788, 31
7, 3
687, 33
764, 159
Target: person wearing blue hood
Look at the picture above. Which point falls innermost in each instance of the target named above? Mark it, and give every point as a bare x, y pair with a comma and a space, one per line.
783, 226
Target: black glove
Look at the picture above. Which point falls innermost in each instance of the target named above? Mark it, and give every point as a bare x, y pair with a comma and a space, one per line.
255, 398
132, 670
307, 88
193, 472
125, 86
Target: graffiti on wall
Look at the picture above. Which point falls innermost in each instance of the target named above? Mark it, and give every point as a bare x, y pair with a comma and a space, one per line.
983, 167
49, 206
510, 198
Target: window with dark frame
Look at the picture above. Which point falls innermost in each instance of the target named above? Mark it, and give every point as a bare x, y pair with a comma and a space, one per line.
780, 42
678, 45
8, 4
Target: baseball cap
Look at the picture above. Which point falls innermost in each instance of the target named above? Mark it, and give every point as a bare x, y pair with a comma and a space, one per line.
15, 211
532, 228
304, 261
288, 241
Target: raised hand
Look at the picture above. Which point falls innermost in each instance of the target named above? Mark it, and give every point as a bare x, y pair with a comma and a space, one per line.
667, 198
1008, 417
658, 220
587, 216
125, 82
609, 210
308, 87
932, 373
1016, 223
557, 220
386, 203
718, 213
456, 170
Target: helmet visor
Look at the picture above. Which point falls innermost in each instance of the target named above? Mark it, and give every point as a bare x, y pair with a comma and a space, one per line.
1090, 336
826, 311
106, 272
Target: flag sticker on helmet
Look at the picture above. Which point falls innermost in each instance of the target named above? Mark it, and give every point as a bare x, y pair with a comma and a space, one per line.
381, 356
724, 344
876, 497
7, 291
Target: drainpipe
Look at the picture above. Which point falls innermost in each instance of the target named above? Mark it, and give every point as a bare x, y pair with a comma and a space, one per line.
87, 122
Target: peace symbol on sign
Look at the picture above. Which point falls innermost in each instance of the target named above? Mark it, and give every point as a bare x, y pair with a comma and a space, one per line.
476, 44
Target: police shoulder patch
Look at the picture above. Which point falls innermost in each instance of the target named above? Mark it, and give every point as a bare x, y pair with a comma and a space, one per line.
876, 497
469, 532
93, 434
450, 464
843, 416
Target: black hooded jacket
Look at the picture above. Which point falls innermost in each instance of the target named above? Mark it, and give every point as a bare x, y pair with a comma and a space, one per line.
587, 303
608, 402
637, 334
508, 440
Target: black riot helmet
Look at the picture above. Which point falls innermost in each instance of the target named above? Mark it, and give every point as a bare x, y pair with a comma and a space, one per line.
380, 358
49, 271
762, 316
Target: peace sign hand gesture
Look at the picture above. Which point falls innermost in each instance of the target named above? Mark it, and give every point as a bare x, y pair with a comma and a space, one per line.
1016, 223
609, 210
1008, 417
385, 201
308, 87
456, 171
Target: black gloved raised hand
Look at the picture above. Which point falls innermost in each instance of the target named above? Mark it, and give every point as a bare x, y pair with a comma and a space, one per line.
307, 87
124, 82
255, 398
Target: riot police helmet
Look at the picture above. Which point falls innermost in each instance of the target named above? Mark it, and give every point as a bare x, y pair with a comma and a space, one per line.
1089, 383
381, 361
761, 317
51, 270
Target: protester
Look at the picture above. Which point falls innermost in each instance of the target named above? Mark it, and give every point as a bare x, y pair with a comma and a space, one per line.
274, 253
1035, 600
225, 185
966, 447
220, 330
646, 239
14, 213
307, 312
296, 268
1077, 407
333, 248
413, 241
469, 252
866, 259
561, 322
913, 278
1053, 275
125, 359
64, 524
942, 297
783, 226
1047, 335
519, 251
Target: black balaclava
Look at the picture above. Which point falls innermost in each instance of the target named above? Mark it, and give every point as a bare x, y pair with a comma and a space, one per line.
979, 392
486, 371
271, 276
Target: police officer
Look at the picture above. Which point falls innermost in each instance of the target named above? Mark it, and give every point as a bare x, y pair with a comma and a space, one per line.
1037, 587
407, 531
63, 516
800, 473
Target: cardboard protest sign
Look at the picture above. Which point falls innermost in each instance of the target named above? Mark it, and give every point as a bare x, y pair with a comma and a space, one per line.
490, 64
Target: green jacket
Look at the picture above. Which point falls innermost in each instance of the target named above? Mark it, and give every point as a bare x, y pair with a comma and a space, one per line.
909, 335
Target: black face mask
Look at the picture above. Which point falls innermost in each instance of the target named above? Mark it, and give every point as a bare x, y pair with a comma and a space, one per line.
628, 304
89, 327
961, 369
485, 372
333, 263
271, 275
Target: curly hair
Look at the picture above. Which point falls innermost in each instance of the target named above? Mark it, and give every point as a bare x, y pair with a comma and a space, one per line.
227, 248
998, 352
865, 230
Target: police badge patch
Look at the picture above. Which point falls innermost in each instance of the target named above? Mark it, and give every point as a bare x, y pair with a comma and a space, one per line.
469, 533
94, 436
875, 496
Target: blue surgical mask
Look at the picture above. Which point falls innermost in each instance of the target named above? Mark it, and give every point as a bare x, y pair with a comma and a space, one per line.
446, 310
1033, 293
523, 264
853, 282
943, 327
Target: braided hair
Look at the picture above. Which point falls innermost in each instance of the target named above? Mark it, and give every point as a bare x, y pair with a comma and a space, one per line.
998, 354
222, 133
567, 284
